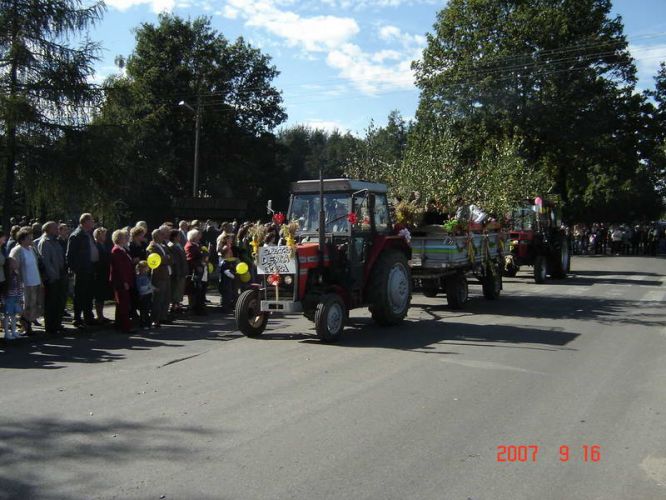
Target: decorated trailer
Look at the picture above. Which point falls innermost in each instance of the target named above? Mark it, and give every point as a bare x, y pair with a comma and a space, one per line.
443, 262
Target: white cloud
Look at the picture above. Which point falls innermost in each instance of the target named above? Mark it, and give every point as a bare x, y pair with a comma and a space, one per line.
325, 125
390, 33
315, 33
102, 73
362, 4
371, 76
370, 72
156, 6
647, 59
386, 55
229, 12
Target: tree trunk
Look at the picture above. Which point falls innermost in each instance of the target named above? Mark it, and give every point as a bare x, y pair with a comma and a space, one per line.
8, 203
10, 128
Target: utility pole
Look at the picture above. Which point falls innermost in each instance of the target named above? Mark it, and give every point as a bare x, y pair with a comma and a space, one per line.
197, 126
195, 184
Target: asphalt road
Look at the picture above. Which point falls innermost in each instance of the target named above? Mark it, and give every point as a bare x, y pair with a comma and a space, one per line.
417, 411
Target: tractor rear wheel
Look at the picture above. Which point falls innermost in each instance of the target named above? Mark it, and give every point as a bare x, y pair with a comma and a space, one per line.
430, 287
390, 288
560, 261
492, 282
330, 318
250, 320
540, 269
457, 290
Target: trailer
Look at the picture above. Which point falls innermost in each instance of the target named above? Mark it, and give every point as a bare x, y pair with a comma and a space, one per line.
443, 262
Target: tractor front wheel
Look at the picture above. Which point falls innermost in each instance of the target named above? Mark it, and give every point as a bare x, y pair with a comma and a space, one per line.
330, 318
540, 269
250, 320
457, 291
390, 288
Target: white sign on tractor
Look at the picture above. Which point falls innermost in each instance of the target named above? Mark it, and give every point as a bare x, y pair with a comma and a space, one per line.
276, 260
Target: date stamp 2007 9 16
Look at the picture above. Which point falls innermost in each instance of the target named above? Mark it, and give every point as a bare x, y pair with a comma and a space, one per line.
529, 453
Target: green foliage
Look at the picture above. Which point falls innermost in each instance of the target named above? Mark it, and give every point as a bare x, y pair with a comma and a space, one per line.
147, 140
381, 151
44, 88
436, 168
552, 78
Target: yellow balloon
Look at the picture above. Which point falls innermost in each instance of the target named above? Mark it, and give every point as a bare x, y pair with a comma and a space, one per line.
245, 277
154, 260
242, 268
210, 267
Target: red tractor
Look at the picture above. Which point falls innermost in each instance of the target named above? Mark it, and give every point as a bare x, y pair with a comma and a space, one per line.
537, 239
345, 255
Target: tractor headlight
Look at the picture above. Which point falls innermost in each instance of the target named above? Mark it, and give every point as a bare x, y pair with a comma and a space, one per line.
288, 280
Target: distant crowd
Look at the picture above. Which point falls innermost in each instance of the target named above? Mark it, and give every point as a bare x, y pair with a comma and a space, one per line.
618, 239
44, 265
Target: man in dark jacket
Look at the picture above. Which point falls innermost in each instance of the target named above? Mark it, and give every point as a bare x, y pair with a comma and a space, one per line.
82, 254
55, 277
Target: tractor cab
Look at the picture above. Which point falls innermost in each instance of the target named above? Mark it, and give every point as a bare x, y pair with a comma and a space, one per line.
355, 214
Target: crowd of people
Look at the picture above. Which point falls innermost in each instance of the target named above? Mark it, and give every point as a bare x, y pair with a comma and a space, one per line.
43, 265
618, 239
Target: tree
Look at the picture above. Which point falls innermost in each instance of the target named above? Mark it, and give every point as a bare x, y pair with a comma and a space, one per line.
230, 82
381, 151
556, 74
660, 92
655, 131
304, 150
44, 82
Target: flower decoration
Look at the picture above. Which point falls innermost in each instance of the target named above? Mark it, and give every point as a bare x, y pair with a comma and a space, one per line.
404, 232
352, 217
288, 232
274, 279
279, 218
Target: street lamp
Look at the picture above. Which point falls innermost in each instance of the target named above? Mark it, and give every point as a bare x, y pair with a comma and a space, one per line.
197, 114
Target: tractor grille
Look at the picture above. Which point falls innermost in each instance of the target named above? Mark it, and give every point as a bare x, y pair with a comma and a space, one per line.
286, 291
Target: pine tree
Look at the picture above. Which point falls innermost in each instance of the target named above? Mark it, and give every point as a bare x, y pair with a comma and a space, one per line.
44, 84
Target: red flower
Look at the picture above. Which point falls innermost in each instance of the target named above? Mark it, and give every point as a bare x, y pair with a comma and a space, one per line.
352, 218
274, 279
278, 218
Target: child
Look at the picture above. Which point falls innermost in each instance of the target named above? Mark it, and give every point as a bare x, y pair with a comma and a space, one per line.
13, 301
145, 290
228, 263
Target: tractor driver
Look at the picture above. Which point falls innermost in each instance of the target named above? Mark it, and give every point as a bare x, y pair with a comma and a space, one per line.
337, 217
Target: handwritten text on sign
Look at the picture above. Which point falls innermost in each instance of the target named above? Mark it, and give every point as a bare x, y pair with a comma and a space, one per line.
276, 260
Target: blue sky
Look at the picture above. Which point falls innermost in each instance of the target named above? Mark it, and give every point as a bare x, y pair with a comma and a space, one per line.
344, 62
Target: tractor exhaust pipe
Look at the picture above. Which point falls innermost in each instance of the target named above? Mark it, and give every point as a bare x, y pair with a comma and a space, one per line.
322, 217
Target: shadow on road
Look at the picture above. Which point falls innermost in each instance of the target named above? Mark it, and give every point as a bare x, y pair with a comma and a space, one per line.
105, 345
586, 278
602, 310
56, 458
422, 335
